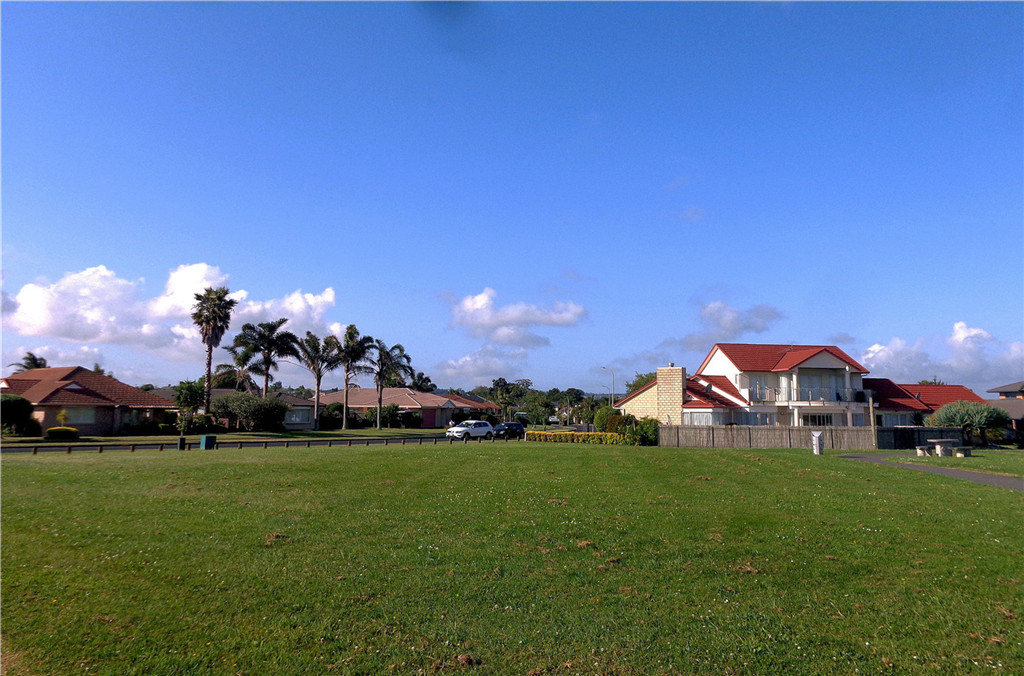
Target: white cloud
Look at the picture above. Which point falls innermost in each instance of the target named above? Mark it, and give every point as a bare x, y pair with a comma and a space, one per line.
96, 307
484, 365
511, 324
183, 284
304, 311
723, 323
90, 306
969, 356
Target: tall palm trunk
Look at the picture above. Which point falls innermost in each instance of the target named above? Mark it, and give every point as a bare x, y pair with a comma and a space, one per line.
316, 403
206, 383
344, 422
380, 403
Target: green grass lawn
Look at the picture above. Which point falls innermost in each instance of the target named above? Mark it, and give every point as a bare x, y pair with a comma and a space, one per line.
994, 460
520, 558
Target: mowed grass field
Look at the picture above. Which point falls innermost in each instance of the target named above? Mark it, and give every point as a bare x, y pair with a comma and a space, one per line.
517, 558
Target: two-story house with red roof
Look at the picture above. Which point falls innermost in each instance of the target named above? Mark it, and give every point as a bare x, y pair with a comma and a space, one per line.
750, 384
791, 385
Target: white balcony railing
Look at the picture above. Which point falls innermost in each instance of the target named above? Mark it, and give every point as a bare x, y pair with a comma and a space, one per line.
818, 394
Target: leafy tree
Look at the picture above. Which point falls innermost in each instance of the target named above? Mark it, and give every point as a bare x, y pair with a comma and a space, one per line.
537, 406
189, 395
602, 416
971, 416
147, 387
508, 395
17, 415
355, 349
933, 381
261, 345
319, 357
481, 391
386, 364
640, 380
212, 314
301, 392
422, 383
251, 413
29, 362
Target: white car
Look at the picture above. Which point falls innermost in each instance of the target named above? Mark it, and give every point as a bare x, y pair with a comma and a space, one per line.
472, 429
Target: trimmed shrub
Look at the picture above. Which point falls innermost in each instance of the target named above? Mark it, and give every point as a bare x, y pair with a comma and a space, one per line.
62, 434
602, 438
411, 419
615, 421
643, 432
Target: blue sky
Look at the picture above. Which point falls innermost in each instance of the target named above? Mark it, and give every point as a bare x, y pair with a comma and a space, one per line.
524, 190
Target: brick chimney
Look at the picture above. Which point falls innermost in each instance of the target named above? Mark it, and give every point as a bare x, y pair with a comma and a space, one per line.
671, 394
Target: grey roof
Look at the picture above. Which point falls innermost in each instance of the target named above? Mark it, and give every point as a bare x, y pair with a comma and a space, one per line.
1015, 407
1012, 387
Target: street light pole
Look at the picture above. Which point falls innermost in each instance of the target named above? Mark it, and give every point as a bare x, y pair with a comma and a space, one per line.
611, 398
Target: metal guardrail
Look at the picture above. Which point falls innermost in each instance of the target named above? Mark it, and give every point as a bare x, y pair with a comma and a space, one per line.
267, 443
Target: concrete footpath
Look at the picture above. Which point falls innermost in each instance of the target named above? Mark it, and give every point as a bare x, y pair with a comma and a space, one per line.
1002, 481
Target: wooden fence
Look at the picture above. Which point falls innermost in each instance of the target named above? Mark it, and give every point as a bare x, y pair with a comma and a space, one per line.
835, 438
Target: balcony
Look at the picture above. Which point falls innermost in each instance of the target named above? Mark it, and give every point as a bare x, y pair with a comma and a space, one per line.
822, 395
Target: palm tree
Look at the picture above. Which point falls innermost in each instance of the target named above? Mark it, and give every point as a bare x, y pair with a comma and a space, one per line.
422, 383
354, 351
387, 364
320, 358
261, 345
234, 375
29, 362
212, 314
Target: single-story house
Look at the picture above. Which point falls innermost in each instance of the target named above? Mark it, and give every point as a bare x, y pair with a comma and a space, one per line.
437, 409
92, 403
473, 405
894, 405
298, 417
1011, 391
1015, 409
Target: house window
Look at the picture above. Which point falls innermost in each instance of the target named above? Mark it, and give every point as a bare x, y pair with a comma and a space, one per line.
759, 388
704, 418
753, 418
297, 415
817, 419
81, 415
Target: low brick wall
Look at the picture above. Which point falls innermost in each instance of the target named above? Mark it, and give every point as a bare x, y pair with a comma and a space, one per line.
762, 436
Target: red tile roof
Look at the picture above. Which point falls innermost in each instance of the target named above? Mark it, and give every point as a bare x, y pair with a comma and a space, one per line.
463, 402
937, 396
77, 386
404, 397
755, 357
702, 398
725, 385
891, 397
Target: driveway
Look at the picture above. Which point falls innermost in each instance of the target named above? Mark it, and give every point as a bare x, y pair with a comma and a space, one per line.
1000, 480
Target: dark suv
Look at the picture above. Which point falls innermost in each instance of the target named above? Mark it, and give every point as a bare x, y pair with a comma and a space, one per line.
509, 430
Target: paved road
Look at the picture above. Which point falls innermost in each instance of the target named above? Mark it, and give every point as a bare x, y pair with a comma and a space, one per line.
1000, 480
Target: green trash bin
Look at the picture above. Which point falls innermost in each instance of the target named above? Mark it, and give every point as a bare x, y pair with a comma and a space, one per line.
207, 442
